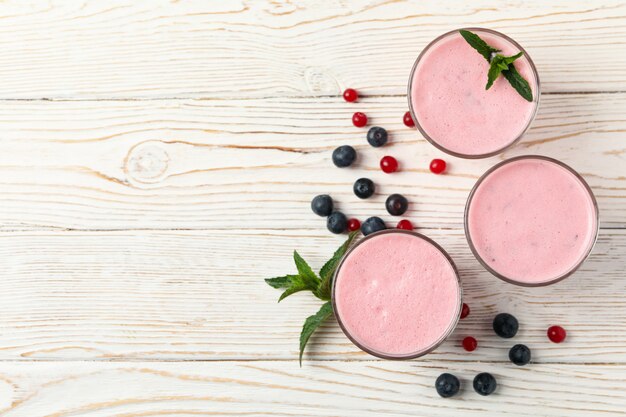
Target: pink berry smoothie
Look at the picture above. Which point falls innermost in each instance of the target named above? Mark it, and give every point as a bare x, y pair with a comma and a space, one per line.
397, 295
531, 220
450, 105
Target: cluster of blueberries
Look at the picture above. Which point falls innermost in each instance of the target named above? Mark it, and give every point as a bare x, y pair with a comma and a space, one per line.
504, 325
363, 188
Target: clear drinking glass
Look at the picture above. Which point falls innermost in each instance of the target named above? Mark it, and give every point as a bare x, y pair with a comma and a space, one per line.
465, 94
363, 345
527, 244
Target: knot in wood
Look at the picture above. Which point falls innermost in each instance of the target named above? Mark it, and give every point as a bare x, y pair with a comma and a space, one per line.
319, 81
147, 162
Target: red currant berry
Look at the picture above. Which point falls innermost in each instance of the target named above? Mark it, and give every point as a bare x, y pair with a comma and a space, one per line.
350, 95
408, 120
388, 164
465, 311
556, 334
437, 166
470, 344
404, 225
353, 224
359, 119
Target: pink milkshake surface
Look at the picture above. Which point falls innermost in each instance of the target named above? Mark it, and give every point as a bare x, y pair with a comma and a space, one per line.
449, 102
531, 220
397, 295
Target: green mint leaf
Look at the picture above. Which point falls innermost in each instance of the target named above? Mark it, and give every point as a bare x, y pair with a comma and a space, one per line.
312, 323
328, 270
518, 83
477, 43
293, 288
503, 64
508, 60
306, 273
306, 280
499, 63
494, 70
281, 282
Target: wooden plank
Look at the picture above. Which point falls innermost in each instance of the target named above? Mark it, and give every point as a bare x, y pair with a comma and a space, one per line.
89, 389
256, 164
124, 49
137, 295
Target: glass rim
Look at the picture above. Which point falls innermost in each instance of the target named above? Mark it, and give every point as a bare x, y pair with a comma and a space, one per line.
444, 335
511, 280
536, 97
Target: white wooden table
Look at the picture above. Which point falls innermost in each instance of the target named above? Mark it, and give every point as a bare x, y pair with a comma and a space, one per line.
157, 160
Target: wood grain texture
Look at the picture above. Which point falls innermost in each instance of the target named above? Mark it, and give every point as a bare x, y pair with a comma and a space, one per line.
216, 49
212, 164
200, 295
157, 160
366, 389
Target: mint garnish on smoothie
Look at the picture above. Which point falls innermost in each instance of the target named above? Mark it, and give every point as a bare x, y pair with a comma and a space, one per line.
499, 64
320, 286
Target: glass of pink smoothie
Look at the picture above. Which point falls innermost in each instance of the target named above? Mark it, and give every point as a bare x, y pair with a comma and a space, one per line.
531, 220
449, 103
396, 294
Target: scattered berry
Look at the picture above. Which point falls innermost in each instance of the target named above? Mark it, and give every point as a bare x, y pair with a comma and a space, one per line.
437, 166
388, 164
556, 334
350, 95
447, 385
344, 156
377, 136
322, 205
485, 383
359, 119
470, 344
364, 188
519, 355
408, 120
337, 222
396, 204
405, 225
505, 325
353, 224
465, 310
371, 225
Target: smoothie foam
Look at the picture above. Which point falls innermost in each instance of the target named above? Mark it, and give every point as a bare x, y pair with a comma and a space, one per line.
449, 101
397, 294
532, 220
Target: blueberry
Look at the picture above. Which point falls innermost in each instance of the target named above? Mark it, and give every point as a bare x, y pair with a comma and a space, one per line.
396, 204
519, 355
485, 383
322, 205
447, 385
344, 156
505, 325
371, 225
364, 188
377, 136
337, 222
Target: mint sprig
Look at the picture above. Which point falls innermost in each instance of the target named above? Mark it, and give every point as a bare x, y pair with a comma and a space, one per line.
281, 282
320, 286
518, 82
477, 43
312, 323
499, 64
328, 270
